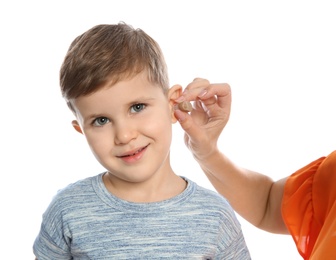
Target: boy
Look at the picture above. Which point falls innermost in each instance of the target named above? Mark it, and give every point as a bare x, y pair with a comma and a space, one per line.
114, 79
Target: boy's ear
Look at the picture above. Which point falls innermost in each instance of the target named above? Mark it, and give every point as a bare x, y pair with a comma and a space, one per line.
77, 127
173, 93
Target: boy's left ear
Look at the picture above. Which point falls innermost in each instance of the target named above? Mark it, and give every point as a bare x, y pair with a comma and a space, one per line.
173, 93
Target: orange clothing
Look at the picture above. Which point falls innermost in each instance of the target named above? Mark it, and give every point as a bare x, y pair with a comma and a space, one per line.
309, 208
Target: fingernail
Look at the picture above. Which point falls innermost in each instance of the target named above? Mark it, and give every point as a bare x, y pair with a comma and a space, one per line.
203, 106
202, 93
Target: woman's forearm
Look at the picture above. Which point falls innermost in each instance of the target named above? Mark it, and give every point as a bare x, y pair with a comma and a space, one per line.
253, 195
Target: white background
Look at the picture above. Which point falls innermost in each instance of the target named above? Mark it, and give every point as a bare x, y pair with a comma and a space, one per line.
278, 56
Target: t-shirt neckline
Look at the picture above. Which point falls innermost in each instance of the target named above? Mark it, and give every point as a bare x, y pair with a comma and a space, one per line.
124, 205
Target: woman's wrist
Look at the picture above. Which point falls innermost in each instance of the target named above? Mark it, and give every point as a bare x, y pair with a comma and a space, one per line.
209, 158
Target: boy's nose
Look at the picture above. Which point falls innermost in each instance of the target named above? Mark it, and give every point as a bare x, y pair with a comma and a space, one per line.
124, 133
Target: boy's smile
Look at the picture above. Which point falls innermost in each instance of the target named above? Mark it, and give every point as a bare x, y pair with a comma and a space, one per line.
133, 156
128, 127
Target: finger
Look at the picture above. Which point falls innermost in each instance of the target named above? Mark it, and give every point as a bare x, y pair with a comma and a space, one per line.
212, 100
220, 90
187, 124
201, 89
217, 97
197, 83
193, 90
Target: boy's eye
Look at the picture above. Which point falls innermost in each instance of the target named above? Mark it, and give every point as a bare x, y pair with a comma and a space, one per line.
136, 108
100, 121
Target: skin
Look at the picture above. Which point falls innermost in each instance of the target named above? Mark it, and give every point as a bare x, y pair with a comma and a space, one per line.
128, 127
253, 195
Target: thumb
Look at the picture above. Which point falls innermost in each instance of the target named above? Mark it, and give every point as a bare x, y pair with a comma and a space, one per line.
188, 124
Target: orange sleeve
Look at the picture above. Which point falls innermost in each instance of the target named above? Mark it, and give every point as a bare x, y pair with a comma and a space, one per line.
308, 208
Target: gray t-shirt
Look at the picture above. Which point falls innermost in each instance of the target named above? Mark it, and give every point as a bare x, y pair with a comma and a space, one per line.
85, 221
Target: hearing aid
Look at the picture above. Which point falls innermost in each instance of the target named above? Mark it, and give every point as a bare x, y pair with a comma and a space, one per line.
185, 106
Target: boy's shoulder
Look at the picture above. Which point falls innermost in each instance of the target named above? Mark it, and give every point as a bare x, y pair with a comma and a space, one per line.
210, 204
73, 197
77, 191
82, 184
207, 196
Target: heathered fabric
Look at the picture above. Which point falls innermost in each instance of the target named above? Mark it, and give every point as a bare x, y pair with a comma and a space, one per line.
85, 221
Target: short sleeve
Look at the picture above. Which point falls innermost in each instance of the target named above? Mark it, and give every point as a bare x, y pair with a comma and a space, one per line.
232, 242
51, 242
308, 203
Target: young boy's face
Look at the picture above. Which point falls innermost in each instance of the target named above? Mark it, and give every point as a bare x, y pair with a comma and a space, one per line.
128, 127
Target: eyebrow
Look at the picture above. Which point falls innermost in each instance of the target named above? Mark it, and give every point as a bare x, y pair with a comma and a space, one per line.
141, 100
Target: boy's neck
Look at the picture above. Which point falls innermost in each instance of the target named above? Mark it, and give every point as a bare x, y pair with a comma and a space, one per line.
155, 190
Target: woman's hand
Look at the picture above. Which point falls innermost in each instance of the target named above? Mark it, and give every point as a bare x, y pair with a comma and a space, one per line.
210, 114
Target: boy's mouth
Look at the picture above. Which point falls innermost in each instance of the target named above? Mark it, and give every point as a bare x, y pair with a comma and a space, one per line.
133, 153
